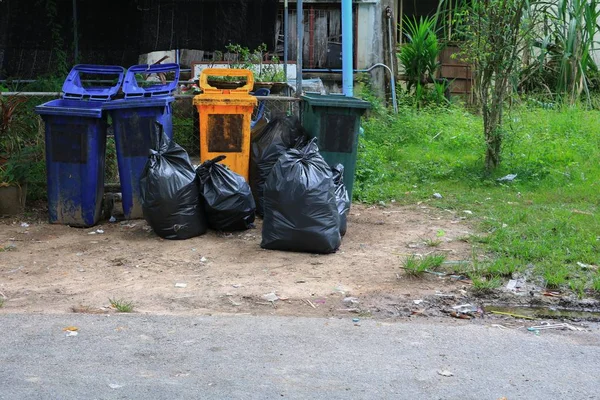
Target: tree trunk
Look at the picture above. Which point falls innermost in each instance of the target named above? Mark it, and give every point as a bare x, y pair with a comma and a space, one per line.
492, 123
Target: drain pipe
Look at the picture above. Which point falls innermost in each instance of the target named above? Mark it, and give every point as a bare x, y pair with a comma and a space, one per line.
286, 25
388, 12
299, 46
347, 42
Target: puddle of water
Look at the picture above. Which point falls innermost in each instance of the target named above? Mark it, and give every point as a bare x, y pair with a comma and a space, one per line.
540, 312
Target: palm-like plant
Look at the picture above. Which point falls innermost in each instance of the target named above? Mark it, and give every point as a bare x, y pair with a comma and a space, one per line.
419, 56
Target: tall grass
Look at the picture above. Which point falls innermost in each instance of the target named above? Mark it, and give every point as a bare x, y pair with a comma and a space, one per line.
547, 218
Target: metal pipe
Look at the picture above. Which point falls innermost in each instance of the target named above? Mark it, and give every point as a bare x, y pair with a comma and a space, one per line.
347, 42
285, 38
299, 46
75, 35
393, 80
372, 67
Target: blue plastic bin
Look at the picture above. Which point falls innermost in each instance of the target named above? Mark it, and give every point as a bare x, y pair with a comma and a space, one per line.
133, 125
75, 147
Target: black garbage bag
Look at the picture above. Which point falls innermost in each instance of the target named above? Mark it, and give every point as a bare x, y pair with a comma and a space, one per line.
341, 196
300, 207
227, 198
169, 191
281, 134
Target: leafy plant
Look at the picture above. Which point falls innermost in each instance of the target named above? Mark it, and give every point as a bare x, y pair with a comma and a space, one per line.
241, 57
419, 56
566, 48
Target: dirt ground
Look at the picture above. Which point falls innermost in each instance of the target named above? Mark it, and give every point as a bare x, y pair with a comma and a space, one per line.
58, 269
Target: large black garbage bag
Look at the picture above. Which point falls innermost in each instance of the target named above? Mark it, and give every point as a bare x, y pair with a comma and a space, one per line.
169, 191
227, 198
341, 196
300, 207
281, 134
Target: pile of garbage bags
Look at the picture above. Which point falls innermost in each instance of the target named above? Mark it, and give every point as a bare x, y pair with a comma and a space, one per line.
303, 200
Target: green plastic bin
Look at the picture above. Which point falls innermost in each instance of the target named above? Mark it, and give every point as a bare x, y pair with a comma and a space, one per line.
335, 121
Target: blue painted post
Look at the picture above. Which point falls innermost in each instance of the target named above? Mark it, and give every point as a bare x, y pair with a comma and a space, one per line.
285, 38
299, 46
347, 42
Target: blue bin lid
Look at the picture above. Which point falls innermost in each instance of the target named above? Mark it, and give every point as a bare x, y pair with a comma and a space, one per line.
132, 89
73, 88
72, 108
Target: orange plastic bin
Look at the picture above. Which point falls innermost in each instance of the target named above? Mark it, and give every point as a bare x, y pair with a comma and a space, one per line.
225, 116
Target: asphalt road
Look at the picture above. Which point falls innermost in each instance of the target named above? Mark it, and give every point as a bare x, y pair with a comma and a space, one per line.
248, 357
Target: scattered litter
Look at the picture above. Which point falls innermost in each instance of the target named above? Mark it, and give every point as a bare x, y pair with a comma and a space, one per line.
272, 297
72, 333
70, 329
79, 254
130, 225
181, 285
99, 231
301, 281
417, 302
507, 178
551, 294
15, 270
499, 326
468, 212
114, 386
445, 372
418, 312
587, 266
555, 326
92, 233
437, 196
236, 285
511, 314
24, 225
203, 260
351, 300
112, 219
233, 303
355, 320
512, 284
309, 303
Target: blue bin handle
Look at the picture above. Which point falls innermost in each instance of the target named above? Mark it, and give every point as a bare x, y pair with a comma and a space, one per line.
132, 89
74, 89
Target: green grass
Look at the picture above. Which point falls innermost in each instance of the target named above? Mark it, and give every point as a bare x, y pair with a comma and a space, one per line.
416, 267
546, 218
2, 302
121, 305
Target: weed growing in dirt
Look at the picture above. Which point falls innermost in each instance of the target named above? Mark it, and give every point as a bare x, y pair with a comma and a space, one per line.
545, 218
430, 242
485, 285
2, 302
416, 267
122, 305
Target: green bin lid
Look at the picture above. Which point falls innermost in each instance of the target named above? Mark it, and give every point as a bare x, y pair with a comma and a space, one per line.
334, 100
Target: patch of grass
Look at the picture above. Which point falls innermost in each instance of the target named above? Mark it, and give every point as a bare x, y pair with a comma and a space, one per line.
578, 287
122, 305
2, 300
416, 267
430, 242
485, 285
596, 284
547, 217
556, 277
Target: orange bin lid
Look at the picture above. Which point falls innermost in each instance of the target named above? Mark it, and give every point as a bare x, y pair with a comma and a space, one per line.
228, 97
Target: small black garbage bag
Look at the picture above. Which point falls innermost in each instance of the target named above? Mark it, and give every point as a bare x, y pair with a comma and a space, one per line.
300, 206
227, 198
281, 134
341, 196
169, 191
